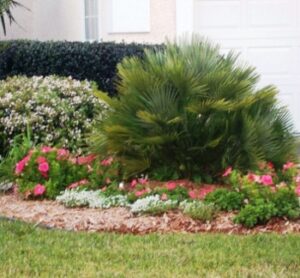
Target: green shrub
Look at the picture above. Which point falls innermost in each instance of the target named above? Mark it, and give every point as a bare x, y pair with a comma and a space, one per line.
198, 210
18, 149
58, 111
194, 110
286, 203
81, 60
254, 214
226, 200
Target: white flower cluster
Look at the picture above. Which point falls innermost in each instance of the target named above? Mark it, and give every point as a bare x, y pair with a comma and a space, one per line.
152, 204
96, 199
92, 199
5, 186
57, 110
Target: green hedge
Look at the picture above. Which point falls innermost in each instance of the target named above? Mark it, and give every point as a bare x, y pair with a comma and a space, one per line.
81, 60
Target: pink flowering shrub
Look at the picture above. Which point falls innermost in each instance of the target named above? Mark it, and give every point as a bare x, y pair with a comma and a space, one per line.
279, 187
46, 171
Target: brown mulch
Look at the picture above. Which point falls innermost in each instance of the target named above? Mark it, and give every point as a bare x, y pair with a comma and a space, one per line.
53, 215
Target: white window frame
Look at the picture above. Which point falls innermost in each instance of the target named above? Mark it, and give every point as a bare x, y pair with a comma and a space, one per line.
93, 16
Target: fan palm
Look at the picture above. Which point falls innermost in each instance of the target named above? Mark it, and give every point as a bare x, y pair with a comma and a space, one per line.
194, 111
6, 7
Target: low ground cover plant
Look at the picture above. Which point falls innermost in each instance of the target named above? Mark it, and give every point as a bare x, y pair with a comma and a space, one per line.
57, 111
199, 210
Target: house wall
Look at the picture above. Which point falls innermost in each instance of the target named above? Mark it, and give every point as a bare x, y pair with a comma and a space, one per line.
24, 29
64, 20
162, 23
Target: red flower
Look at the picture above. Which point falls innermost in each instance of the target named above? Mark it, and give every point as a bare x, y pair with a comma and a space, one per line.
193, 194
227, 172
288, 165
107, 162
171, 185
133, 183
39, 190
86, 159
205, 190
270, 165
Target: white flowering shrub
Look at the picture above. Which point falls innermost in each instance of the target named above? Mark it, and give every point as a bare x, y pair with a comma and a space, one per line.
57, 111
91, 199
153, 205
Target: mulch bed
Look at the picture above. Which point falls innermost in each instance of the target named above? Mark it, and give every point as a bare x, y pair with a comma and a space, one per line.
51, 214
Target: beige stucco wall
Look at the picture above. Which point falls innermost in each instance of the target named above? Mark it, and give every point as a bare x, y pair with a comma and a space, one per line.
24, 19
64, 20
48, 20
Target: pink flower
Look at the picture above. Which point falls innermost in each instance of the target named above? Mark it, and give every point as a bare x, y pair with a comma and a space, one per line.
298, 179
171, 185
46, 149
253, 178
193, 194
205, 190
133, 183
107, 162
62, 153
297, 190
164, 197
44, 167
86, 159
41, 160
39, 190
140, 193
21, 164
288, 165
143, 181
227, 172
20, 167
77, 184
266, 180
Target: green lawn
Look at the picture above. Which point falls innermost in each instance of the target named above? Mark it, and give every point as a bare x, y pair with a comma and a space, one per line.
26, 251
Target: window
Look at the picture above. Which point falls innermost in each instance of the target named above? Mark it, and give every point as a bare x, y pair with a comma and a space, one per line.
129, 16
91, 20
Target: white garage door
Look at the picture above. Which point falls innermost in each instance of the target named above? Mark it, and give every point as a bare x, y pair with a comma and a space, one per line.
266, 32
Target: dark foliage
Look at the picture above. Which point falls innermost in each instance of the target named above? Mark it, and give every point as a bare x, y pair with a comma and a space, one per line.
81, 60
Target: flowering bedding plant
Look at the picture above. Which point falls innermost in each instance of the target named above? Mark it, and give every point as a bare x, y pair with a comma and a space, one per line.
46, 171
58, 111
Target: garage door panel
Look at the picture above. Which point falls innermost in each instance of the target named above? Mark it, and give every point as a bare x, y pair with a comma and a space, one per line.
271, 60
271, 13
217, 14
266, 32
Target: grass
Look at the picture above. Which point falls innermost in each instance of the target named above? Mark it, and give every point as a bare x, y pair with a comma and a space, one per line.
26, 251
